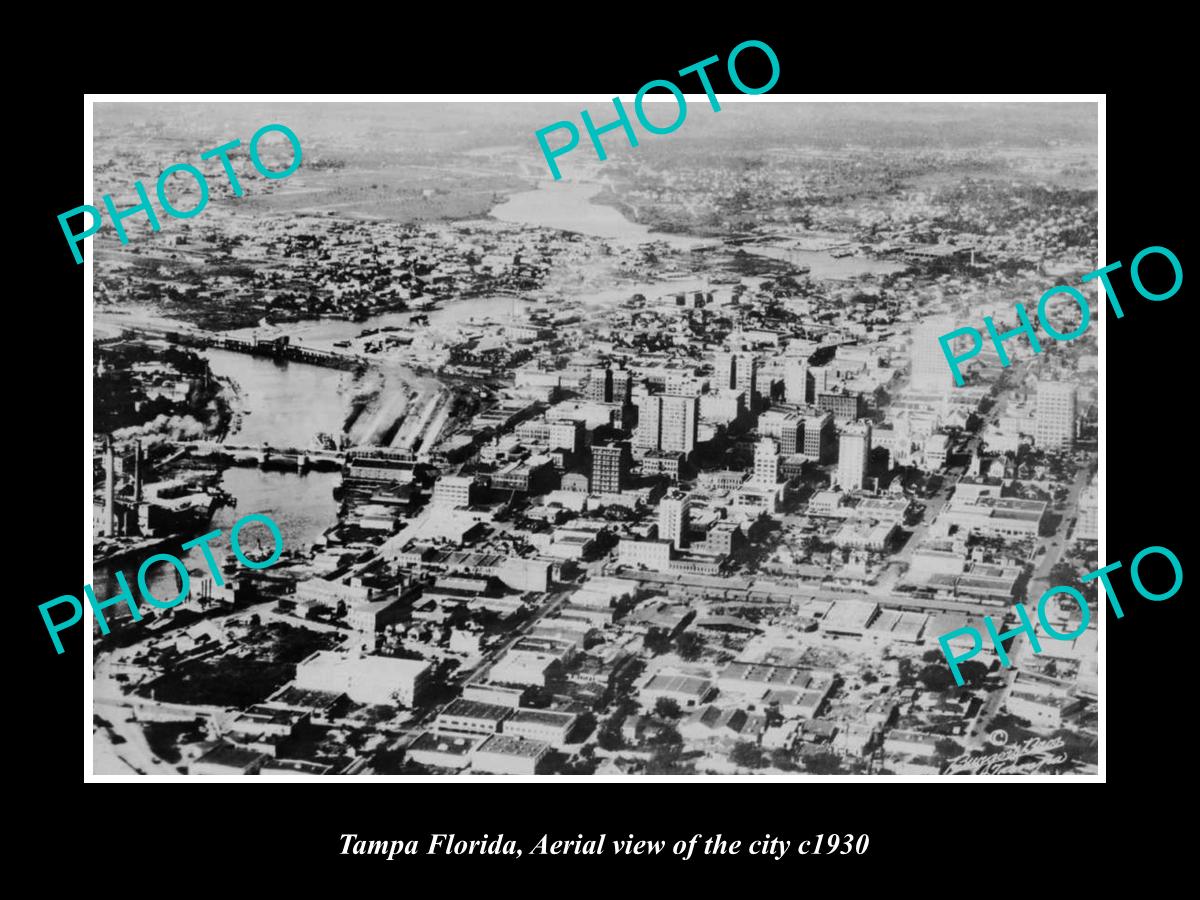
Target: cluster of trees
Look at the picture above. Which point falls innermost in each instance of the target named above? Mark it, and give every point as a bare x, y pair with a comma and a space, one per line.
688, 645
936, 676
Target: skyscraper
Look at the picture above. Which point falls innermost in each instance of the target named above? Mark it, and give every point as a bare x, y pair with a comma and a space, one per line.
668, 422
745, 377
1054, 425
737, 371
854, 451
766, 463
795, 380
673, 517
649, 426
724, 371
599, 385
622, 386
610, 468
110, 480
680, 423
818, 436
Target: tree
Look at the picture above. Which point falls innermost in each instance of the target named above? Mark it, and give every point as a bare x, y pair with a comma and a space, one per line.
609, 735
823, 764
747, 755
689, 645
935, 678
973, 673
782, 759
666, 708
665, 761
657, 641
584, 725
947, 748
932, 656
667, 736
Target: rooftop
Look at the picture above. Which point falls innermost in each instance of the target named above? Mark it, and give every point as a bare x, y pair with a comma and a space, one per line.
506, 745
475, 709
543, 717
443, 743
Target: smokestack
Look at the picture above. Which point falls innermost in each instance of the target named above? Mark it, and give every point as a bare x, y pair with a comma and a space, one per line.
137, 472
110, 511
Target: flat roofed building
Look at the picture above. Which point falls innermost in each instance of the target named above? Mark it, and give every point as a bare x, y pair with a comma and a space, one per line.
1044, 711
686, 690
654, 555
442, 751
502, 754
453, 490
797, 691
227, 759
850, 617
471, 717
322, 706
846, 407
380, 680
384, 470
997, 516
266, 720
371, 616
299, 769
899, 626
912, 743
526, 667
1054, 425
322, 592
498, 694
541, 725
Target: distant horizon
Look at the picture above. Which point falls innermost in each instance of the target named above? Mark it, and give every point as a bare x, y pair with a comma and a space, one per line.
470, 125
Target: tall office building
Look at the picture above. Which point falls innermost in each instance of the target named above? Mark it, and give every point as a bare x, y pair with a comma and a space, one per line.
795, 380
622, 386
649, 426
1054, 423
846, 406
610, 468
818, 436
854, 452
668, 422
737, 371
724, 371
673, 517
680, 423
766, 463
745, 378
608, 385
820, 380
599, 385
930, 370
565, 434
791, 436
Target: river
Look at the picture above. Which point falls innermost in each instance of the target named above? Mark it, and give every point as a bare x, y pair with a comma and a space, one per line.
284, 404
567, 205
287, 404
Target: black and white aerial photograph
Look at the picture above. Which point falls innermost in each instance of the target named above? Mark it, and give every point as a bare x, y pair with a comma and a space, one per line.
657, 468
